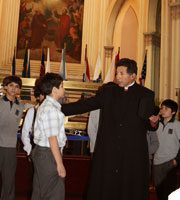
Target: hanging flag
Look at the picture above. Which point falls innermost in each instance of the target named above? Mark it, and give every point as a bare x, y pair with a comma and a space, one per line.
48, 62
98, 69
28, 65
117, 56
42, 67
26, 62
14, 63
99, 79
143, 72
63, 71
111, 71
86, 74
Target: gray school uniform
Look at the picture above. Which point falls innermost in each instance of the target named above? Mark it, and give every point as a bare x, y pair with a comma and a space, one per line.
10, 116
153, 143
9, 121
169, 137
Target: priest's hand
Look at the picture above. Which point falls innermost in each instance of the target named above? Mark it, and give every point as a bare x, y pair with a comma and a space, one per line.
154, 119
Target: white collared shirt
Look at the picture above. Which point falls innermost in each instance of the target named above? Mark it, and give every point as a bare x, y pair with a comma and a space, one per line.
49, 122
126, 87
26, 129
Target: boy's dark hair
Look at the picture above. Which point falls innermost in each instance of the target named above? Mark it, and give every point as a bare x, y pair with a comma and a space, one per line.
170, 104
37, 88
130, 64
12, 79
50, 80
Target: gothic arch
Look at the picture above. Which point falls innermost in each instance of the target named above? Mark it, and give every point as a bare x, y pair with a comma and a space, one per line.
112, 15
128, 40
152, 15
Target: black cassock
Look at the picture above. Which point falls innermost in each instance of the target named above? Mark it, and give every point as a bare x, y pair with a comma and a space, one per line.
120, 161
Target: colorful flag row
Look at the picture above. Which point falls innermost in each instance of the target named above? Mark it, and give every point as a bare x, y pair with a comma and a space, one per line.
26, 72
111, 69
63, 69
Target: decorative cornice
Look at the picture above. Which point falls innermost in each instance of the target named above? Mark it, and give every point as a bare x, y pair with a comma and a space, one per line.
152, 38
175, 8
174, 2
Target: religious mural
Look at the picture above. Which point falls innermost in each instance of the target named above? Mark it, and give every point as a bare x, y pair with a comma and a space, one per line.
51, 24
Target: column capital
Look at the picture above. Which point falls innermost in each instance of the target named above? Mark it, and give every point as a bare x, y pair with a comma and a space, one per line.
108, 51
175, 8
152, 38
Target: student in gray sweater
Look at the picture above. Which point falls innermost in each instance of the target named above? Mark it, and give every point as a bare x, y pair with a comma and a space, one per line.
166, 156
153, 144
10, 114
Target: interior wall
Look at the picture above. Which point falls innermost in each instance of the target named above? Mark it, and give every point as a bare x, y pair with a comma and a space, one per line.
129, 35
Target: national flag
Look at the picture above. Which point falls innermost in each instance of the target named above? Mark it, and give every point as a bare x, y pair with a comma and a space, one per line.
48, 62
99, 79
117, 56
26, 63
63, 71
111, 71
143, 72
28, 69
86, 74
14, 63
42, 67
98, 70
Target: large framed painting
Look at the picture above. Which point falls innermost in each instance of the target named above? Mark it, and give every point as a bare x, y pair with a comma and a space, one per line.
51, 24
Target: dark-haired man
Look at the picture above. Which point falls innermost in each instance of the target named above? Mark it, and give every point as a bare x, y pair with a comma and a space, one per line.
10, 114
120, 161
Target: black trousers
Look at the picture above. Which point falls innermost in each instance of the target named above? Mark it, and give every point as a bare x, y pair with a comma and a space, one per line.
168, 175
47, 184
8, 170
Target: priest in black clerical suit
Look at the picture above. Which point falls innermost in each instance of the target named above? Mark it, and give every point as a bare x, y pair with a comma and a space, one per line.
120, 161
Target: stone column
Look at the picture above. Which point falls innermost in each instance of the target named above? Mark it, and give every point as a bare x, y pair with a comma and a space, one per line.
152, 45
8, 29
175, 42
165, 69
108, 52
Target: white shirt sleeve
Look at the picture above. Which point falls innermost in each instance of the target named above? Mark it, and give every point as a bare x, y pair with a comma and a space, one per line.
26, 129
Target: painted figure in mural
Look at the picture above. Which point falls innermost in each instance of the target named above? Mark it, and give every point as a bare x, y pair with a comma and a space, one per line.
63, 28
73, 43
39, 30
